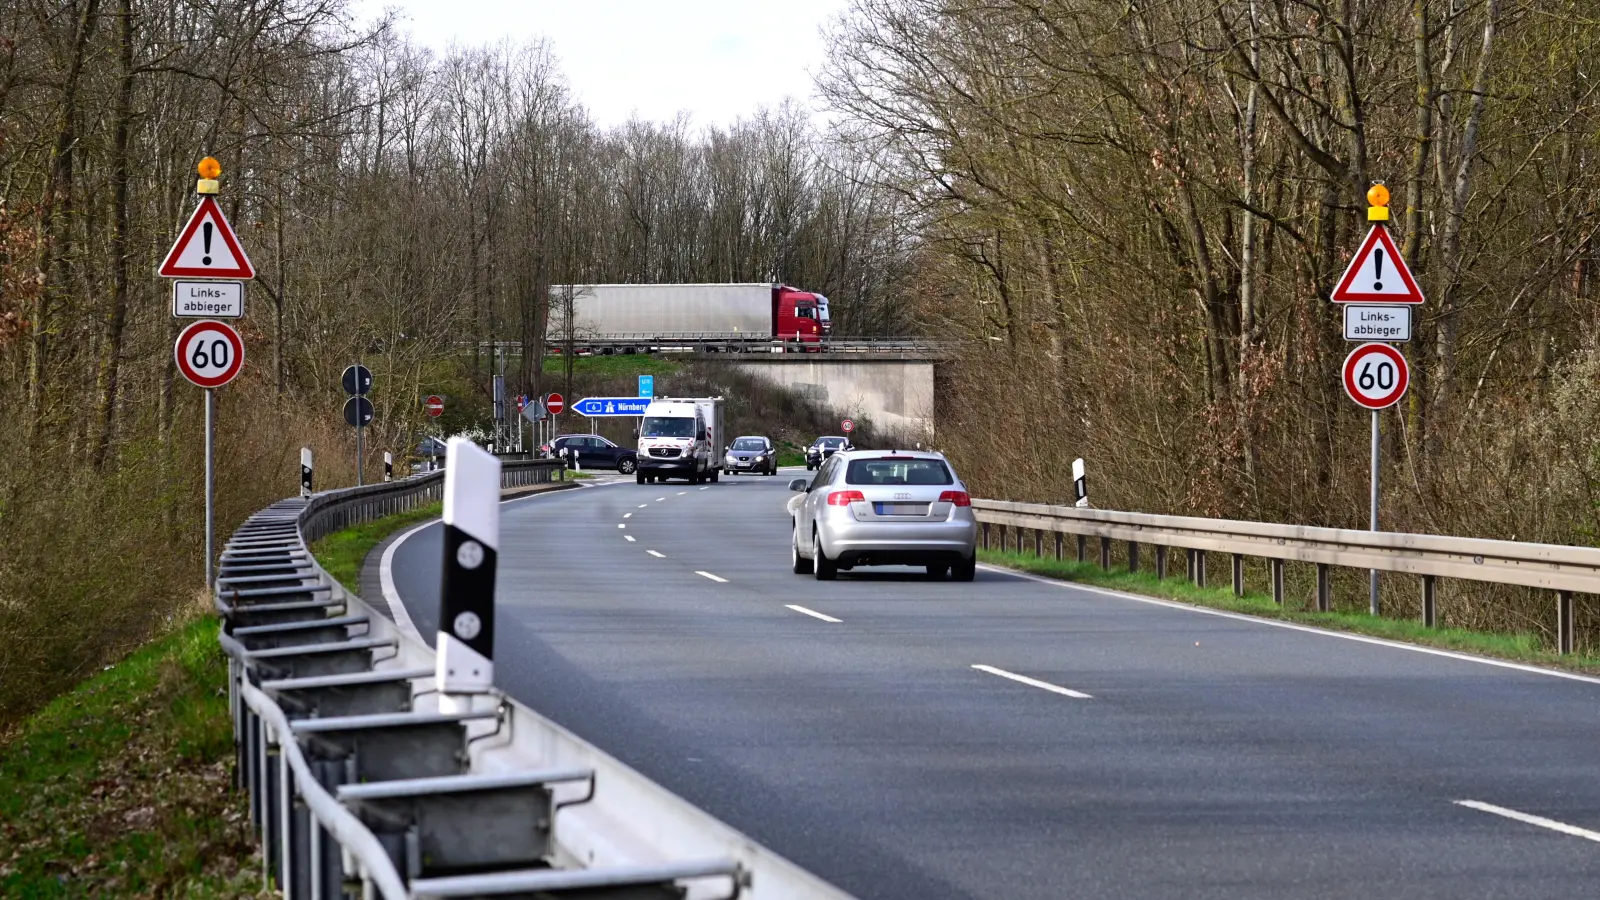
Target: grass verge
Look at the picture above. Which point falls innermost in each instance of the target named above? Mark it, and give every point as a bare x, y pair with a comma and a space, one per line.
344, 552
1520, 647
122, 787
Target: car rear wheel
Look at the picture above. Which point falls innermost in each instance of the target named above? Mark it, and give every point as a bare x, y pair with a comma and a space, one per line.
627, 466
797, 563
965, 571
824, 568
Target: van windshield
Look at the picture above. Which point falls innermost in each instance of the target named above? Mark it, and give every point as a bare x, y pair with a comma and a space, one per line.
667, 427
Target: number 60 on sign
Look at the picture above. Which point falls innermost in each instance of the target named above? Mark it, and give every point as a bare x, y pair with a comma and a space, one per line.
208, 353
1376, 375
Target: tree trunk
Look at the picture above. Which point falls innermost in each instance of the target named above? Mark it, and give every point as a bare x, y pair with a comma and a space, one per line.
111, 359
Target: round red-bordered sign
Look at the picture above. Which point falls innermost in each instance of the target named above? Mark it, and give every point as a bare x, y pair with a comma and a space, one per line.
434, 405
555, 403
847, 426
209, 353
1376, 375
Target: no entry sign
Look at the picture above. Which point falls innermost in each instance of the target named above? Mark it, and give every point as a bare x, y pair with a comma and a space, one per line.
1376, 375
434, 405
555, 404
208, 353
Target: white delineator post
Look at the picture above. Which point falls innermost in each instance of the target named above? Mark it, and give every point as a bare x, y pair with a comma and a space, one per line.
1080, 484
466, 590
305, 471
388, 466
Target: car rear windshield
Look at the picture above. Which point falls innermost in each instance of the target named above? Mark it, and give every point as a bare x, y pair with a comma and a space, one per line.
749, 444
898, 471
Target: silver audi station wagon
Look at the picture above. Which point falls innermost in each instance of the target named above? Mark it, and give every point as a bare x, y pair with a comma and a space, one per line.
878, 508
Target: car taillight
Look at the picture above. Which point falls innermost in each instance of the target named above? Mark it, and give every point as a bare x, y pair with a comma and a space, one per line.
845, 498
959, 498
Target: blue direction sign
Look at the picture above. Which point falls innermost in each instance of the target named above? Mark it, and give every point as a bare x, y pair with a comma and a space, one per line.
611, 406
647, 385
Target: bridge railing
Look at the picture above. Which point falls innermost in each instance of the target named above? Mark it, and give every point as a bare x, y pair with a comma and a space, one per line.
362, 784
1561, 569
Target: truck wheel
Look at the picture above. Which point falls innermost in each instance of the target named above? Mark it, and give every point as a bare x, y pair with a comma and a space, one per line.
638, 477
714, 474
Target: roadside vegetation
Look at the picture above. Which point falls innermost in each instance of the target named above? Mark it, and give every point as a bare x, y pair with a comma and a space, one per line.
344, 552
122, 787
1524, 647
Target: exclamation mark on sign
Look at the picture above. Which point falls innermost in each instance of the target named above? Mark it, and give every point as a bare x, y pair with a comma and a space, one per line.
205, 235
1377, 255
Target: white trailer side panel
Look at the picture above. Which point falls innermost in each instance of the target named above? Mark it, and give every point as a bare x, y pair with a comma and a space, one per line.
604, 310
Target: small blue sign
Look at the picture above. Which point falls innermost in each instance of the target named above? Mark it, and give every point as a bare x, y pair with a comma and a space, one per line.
599, 407
647, 385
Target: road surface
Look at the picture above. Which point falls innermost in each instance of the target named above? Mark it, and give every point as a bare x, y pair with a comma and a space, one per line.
1106, 748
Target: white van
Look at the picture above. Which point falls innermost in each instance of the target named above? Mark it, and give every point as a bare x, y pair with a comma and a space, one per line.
678, 438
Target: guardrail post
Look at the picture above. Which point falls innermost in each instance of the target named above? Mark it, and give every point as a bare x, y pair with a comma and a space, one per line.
1277, 581
1058, 546
1200, 568
1429, 613
985, 535
1564, 623
1038, 543
1133, 556
1324, 591
1105, 553
1082, 547
1161, 562
1238, 575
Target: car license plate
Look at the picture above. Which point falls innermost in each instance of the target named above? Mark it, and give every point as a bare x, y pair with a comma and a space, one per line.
900, 509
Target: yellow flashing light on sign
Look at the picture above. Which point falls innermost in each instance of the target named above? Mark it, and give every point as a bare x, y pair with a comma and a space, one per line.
209, 169
1378, 196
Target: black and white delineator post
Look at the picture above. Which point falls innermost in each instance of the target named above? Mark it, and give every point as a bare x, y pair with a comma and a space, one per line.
388, 466
305, 471
1080, 485
466, 590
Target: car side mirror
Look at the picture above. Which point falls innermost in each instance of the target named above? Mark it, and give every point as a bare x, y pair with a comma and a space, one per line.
799, 484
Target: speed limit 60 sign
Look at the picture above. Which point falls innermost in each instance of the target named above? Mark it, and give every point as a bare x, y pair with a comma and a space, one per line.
1376, 375
209, 353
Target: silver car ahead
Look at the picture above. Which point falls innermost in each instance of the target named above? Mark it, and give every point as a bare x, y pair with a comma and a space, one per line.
877, 508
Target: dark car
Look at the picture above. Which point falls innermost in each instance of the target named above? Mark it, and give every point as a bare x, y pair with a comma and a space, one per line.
752, 454
592, 452
824, 447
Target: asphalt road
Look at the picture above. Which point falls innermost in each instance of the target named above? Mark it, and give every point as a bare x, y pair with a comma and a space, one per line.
1213, 757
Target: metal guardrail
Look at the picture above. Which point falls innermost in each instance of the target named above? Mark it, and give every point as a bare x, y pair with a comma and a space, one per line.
1562, 569
361, 785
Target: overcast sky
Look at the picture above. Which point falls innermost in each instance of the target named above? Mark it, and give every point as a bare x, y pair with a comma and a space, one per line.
716, 59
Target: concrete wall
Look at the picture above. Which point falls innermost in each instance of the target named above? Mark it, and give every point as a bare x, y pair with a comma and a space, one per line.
893, 393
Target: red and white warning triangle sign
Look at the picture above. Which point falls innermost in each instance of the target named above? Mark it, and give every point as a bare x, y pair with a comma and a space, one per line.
207, 248
1377, 274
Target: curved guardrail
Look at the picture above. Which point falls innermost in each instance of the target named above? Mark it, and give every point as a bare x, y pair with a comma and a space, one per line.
1562, 569
362, 786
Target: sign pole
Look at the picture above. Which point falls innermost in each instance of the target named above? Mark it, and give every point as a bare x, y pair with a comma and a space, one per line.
1372, 574
211, 481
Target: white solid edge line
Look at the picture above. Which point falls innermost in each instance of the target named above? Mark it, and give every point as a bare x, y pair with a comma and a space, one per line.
812, 613
391, 594
1540, 821
1034, 682
628, 538
1292, 626
656, 555
715, 578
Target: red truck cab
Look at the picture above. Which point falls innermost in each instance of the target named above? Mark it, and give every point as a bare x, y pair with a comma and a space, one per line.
797, 316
